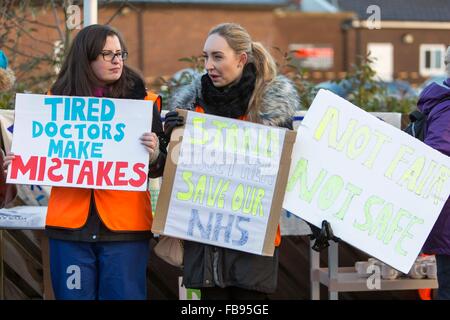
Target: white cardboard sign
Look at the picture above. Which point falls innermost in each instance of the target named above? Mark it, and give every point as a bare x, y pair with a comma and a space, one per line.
381, 189
81, 142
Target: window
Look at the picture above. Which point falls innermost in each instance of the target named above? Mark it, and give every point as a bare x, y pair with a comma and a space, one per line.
432, 59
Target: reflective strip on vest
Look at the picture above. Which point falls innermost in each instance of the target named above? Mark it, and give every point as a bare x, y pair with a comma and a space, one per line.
278, 236
119, 210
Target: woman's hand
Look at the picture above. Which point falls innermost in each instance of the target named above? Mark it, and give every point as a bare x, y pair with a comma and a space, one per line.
151, 143
7, 161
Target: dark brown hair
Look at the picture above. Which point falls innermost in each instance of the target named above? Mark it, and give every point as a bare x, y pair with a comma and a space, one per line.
76, 77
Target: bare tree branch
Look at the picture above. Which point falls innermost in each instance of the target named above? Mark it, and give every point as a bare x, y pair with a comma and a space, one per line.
26, 55
58, 23
29, 33
40, 23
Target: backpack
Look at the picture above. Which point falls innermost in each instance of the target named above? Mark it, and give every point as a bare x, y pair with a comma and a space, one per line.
417, 123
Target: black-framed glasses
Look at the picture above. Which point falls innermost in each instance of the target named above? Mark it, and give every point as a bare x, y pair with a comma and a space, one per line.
109, 55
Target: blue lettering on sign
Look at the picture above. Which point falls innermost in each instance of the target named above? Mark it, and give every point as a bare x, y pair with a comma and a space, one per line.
81, 109
222, 230
90, 109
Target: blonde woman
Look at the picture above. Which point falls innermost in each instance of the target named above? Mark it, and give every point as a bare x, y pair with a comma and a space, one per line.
242, 83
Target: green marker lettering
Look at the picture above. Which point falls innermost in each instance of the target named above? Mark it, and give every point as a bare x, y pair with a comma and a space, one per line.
373, 200
199, 131
249, 199
257, 205
347, 134
221, 200
218, 139
331, 116
185, 196
300, 174
437, 185
406, 234
213, 194
238, 198
382, 221
381, 140
412, 174
330, 192
358, 142
426, 178
200, 189
394, 227
353, 191
398, 158
231, 139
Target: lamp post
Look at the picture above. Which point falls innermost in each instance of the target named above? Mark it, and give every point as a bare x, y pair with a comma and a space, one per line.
90, 10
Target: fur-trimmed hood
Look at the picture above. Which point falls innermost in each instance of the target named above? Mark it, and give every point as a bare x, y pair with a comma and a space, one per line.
7, 79
280, 100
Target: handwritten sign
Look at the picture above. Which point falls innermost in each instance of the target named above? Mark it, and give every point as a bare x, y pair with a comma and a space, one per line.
223, 183
23, 217
381, 189
80, 142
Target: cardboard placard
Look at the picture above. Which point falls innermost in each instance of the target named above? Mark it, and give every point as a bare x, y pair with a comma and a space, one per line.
83, 142
182, 202
381, 189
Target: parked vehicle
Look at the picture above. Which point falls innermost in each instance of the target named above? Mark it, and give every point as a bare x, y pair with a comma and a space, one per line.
397, 89
438, 79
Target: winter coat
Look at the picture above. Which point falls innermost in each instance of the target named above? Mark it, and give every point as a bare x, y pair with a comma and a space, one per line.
206, 265
437, 136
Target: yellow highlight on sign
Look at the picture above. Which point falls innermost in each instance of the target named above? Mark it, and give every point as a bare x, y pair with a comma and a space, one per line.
206, 191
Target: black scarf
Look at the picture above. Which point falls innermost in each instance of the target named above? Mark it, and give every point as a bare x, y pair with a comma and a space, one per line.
232, 101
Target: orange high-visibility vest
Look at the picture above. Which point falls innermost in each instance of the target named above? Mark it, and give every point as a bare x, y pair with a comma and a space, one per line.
425, 293
156, 100
118, 210
278, 236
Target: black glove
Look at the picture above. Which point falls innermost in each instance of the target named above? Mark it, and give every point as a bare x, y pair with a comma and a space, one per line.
171, 121
322, 236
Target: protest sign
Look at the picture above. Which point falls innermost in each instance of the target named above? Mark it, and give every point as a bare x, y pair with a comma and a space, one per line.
81, 142
224, 183
23, 217
381, 189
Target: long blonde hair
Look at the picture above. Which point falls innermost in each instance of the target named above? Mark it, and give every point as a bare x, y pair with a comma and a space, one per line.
240, 41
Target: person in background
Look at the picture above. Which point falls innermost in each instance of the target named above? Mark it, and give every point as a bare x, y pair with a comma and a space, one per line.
434, 102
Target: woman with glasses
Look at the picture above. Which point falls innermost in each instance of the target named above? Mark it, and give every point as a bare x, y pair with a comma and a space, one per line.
99, 239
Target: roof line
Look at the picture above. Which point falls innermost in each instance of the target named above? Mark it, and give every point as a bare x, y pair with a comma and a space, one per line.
404, 24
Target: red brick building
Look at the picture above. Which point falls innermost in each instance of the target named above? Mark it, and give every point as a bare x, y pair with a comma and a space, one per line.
409, 44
